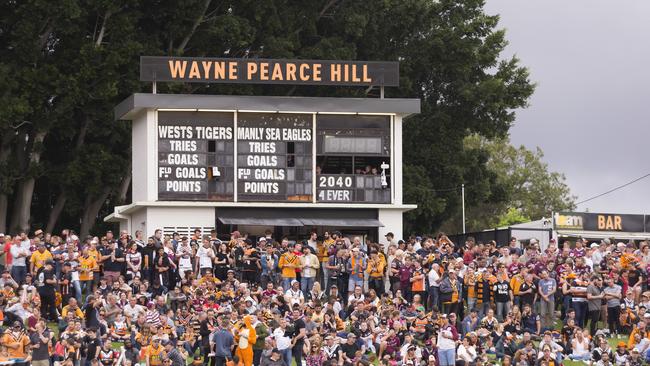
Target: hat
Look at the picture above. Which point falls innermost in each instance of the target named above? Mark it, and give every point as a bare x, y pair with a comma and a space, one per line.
412, 347
74, 238
38, 232
389, 234
621, 344
646, 315
230, 271
262, 239
2, 234
606, 241
294, 282
166, 342
275, 350
329, 337
236, 234
594, 245
334, 286
533, 241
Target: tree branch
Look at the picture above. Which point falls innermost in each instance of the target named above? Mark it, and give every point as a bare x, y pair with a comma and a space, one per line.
102, 30
186, 40
326, 8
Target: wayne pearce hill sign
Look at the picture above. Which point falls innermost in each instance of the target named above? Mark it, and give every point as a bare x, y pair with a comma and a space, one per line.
269, 71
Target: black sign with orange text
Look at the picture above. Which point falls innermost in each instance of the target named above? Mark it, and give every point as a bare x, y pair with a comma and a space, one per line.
269, 71
589, 221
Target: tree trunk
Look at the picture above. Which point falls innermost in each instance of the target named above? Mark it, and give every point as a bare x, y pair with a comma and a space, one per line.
5, 151
22, 208
4, 204
55, 212
92, 206
124, 187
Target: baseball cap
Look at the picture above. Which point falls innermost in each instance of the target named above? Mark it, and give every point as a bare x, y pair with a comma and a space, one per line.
389, 234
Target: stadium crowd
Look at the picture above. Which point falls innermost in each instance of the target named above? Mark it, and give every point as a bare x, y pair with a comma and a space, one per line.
326, 300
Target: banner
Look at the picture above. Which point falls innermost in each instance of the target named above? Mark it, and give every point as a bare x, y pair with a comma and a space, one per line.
587, 221
269, 71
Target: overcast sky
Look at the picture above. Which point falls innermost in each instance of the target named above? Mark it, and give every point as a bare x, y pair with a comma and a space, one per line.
589, 114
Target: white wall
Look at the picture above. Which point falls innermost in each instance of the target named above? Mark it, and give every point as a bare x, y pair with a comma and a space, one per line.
159, 217
396, 164
392, 220
144, 157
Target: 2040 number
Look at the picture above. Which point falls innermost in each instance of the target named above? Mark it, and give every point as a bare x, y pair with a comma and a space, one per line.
335, 182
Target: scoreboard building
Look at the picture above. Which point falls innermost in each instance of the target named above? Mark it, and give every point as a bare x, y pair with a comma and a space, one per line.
258, 163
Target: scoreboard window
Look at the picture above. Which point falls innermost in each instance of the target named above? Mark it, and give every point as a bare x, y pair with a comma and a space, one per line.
195, 156
353, 158
274, 157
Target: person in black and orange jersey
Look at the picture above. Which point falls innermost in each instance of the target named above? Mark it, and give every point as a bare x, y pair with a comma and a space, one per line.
376, 266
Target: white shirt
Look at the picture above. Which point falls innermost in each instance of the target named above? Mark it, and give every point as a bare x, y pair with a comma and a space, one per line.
182, 261
23, 248
444, 342
133, 311
281, 341
204, 257
295, 297
433, 278
466, 354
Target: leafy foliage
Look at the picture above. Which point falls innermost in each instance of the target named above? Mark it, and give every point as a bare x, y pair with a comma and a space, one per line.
65, 64
532, 190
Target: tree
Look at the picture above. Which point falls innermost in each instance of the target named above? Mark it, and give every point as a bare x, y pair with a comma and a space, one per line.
532, 190
512, 217
465, 89
65, 64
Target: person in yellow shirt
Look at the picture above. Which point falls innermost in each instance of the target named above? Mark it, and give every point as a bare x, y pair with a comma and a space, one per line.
323, 248
94, 252
288, 263
73, 308
154, 352
376, 265
87, 264
38, 259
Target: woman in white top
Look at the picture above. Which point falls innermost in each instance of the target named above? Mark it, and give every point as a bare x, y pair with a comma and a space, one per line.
580, 345
466, 352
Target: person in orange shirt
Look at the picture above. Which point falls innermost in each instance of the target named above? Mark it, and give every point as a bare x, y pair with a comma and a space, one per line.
418, 280
15, 341
87, 264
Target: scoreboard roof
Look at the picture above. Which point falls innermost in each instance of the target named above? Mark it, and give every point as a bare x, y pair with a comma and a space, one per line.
129, 107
